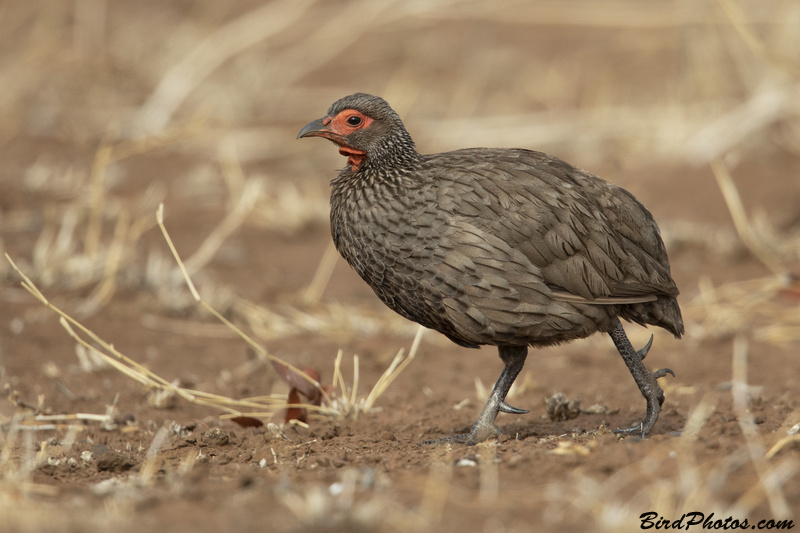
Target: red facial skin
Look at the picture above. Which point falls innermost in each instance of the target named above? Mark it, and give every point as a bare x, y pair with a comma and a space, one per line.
338, 130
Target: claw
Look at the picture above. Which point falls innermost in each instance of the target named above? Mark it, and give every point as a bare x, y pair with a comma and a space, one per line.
504, 407
642, 353
660, 373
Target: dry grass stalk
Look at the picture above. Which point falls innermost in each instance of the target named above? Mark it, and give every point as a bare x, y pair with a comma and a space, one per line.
520, 387
348, 403
354, 502
758, 305
97, 190
16, 479
332, 319
30, 420
489, 474
43, 422
761, 241
152, 462
260, 350
322, 276
694, 485
437, 486
58, 256
345, 401
227, 41
771, 477
186, 327
717, 240
103, 292
233, 220
171, 136
288, 207
791, 429
138, 372
752, 305
232, 172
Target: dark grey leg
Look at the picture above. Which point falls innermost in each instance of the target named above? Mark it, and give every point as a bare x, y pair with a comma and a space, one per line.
484, 428
646, 380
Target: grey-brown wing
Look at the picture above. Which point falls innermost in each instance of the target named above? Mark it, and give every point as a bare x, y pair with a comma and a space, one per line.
590, 239
492, 293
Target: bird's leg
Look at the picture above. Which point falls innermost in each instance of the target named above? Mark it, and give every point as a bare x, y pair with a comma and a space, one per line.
646, 380
484, 428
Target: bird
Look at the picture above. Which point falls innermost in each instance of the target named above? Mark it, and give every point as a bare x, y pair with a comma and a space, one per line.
503, 247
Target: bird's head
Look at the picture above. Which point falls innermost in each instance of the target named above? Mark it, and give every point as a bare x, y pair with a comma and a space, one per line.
367, 130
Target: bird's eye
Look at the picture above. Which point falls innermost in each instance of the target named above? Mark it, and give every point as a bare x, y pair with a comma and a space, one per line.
354, 120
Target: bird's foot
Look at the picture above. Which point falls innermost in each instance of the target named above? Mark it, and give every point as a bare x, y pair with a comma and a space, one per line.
477, 434
646, 381
655, 398
484, 428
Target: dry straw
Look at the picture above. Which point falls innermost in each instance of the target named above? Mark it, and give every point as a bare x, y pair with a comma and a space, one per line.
762, 306
345, 402
675, 479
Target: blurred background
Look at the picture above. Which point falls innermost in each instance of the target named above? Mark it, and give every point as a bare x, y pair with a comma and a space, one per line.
110, 107
676, 81
623, 88
620, 83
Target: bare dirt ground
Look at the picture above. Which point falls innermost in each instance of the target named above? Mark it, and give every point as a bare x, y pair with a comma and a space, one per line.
112, 107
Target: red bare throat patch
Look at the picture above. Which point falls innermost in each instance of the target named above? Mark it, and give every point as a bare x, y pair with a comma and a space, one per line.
354, 157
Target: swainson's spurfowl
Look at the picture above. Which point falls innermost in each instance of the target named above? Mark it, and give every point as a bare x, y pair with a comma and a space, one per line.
504, 247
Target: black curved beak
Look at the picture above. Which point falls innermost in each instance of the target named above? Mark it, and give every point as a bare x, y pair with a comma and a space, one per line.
316, 128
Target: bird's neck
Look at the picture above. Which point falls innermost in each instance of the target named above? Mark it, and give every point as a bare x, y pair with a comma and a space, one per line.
377, 179
394, 154
389, 168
